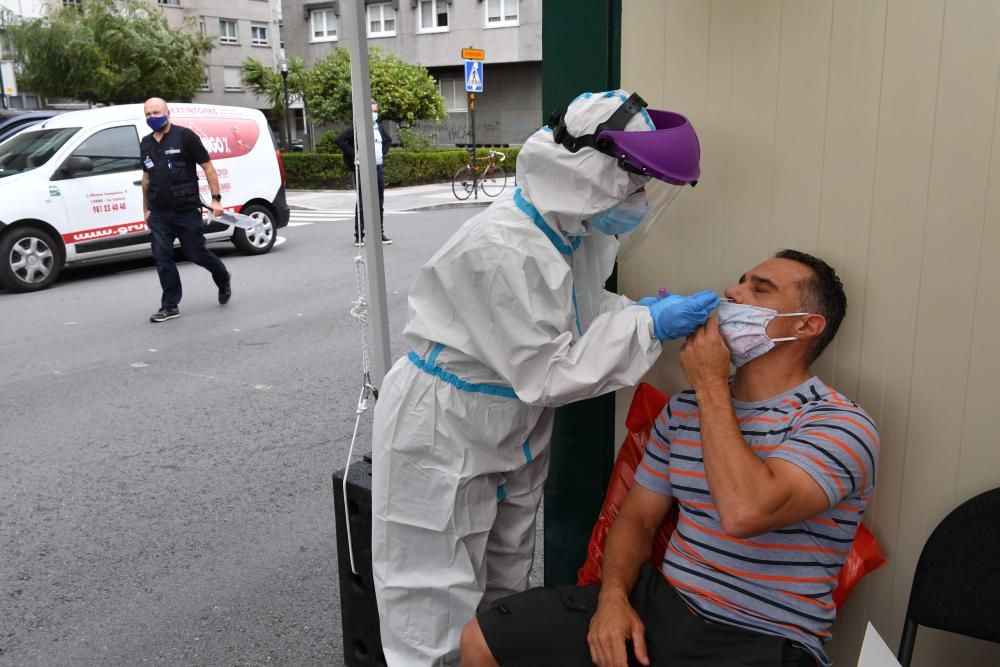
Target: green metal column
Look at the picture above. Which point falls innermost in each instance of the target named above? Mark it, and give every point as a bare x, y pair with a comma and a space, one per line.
581, 47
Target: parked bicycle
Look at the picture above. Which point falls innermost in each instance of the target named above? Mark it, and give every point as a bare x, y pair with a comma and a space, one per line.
488, 176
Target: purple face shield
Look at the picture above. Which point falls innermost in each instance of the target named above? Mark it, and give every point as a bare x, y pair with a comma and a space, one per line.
670, 153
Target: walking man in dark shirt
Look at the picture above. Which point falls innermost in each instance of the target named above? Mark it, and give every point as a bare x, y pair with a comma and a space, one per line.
172, 204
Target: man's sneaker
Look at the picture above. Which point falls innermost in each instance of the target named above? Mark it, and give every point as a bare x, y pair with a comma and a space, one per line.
226, 292
359, 244
164, 314
386, 240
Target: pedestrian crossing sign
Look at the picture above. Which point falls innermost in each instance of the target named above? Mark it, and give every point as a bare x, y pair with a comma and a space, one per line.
473, 76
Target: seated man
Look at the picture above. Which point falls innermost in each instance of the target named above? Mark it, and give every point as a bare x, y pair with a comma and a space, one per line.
772, 471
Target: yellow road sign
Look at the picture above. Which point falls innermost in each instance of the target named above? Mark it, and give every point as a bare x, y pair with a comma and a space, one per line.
473, 54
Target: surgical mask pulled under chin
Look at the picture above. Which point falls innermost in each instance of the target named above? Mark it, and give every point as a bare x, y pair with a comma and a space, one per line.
624, 217
744, 328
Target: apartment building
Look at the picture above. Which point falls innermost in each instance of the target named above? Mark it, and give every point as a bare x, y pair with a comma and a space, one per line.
241, 29
432, 33
11, 10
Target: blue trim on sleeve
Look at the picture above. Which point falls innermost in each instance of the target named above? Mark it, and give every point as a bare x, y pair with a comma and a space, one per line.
452, 379
501, 494
527, 450
532, 212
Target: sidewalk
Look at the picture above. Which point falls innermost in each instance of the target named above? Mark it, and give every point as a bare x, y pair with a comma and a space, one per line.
412, 198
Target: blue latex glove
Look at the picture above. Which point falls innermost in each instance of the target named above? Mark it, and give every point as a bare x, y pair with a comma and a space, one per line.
677, 316
648, 301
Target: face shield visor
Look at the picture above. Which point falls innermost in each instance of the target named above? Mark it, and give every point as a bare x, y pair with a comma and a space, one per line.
660, 196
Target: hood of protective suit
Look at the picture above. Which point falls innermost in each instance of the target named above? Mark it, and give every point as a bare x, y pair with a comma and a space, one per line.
567, 188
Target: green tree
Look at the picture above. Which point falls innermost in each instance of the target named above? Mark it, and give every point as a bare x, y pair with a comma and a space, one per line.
267, 83
405, 92
107, 51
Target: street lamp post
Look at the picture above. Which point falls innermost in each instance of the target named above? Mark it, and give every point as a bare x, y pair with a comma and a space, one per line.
288, 120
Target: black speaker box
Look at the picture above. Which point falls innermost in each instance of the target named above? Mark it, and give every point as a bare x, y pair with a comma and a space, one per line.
358, 611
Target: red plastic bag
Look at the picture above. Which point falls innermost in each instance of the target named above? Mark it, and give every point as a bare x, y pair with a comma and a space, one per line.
863, 557
647, 404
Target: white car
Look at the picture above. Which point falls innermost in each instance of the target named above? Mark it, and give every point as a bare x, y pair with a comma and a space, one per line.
70, 188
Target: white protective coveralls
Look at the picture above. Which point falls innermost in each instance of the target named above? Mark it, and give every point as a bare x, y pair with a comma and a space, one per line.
509, 319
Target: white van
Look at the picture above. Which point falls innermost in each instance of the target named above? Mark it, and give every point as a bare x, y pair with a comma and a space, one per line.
70, 188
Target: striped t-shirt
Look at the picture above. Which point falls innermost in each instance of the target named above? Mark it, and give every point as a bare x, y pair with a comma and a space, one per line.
779, 583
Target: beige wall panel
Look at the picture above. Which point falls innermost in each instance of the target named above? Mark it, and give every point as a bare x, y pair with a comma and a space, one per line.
964, 120
744, 175
896, 246
845, 217
800, 128
978, 465
857, 47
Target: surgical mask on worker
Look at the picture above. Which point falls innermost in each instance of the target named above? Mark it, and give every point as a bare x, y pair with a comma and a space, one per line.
374, 116
744, 328
156, 123
624, 217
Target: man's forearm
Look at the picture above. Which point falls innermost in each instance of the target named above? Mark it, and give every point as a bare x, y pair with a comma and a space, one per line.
627, 547
738, 481
213, 179
145, 192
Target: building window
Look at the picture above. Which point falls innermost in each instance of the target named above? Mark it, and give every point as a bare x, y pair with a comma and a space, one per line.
227, 32
433, 16
453, 92
231, 78
201, 26
169, 3
381, 20
281, 35
206, 82
72, 3
323, 24
258, 34
501, 13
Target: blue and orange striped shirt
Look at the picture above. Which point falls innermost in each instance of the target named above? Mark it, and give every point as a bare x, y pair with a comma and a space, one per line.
779, 583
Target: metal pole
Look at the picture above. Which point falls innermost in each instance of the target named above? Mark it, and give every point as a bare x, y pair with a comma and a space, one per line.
288, 125
364, 149
472, 130
3, 90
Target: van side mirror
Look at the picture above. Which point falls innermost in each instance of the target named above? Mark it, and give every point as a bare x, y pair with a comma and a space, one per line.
75, 165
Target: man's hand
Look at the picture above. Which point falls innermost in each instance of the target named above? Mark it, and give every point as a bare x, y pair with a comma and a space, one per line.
613, 624
704, 356
217, 209
145, 216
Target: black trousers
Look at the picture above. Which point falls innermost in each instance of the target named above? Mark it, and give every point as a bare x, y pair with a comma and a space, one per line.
188, 228
359, 218
547, 627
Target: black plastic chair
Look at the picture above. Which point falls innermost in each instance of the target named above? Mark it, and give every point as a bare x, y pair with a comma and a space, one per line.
956, 587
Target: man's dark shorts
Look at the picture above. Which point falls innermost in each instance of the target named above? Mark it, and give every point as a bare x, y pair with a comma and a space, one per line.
548, 627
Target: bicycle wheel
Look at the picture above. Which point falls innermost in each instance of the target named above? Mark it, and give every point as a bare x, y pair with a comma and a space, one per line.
494, 183
461, 185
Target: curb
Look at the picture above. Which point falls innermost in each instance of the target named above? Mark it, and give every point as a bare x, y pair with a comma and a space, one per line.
457, 204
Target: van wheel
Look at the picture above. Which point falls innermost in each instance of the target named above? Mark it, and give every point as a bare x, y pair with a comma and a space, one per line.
261, 238
29, 260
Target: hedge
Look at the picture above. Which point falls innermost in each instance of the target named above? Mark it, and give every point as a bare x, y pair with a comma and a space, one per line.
326, 171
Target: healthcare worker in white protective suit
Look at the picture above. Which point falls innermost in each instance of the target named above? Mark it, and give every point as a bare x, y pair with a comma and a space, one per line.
508, 320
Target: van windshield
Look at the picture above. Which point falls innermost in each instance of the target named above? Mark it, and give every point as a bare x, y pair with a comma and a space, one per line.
30, 150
